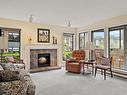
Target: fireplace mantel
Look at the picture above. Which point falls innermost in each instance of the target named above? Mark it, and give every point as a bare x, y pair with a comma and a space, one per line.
42, 46
28, 47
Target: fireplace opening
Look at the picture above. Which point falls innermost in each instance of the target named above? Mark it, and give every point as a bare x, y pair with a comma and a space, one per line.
44, 60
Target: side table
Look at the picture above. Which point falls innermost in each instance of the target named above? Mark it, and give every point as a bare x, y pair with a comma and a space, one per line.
89, 62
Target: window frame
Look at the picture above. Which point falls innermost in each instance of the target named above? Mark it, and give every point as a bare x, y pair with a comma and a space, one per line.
84, 38
72, 34
92, 32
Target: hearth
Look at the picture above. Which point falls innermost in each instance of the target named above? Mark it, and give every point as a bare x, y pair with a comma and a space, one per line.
44, 60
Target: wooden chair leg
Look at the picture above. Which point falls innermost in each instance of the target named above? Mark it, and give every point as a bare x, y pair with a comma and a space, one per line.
87, 66
83, 68
92, 69
104, 74
95, 71
111, 72
101, 72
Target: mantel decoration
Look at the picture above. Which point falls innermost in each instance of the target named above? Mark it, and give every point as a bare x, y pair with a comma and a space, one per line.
29, 40
54, 40
43, 35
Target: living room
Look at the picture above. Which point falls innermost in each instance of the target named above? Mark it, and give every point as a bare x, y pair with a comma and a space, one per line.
40, 32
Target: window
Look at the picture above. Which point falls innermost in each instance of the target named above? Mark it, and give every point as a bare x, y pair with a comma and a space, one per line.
68, 45
116, 39
83, 38
13, 37
116, 46
13, 41
97, 38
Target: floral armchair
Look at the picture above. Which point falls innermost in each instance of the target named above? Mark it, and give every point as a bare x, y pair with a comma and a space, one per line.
19, 63
15, 81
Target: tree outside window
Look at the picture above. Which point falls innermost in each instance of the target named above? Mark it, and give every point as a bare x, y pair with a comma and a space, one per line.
67, 45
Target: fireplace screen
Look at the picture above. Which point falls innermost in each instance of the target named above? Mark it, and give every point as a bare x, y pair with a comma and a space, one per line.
43, 60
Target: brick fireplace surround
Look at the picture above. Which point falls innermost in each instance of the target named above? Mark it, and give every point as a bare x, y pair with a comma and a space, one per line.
34, 57
31, 57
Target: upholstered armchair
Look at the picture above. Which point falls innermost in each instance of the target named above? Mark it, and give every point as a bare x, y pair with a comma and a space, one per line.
15, 81
19, 63
73, 64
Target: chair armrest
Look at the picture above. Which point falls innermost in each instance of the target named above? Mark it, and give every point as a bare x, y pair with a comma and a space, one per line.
91, 60
20, 61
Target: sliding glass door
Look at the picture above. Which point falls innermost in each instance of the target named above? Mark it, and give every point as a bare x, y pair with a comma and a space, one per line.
116, 47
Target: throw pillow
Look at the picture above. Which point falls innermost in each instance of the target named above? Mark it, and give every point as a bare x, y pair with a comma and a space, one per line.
7, 75
9, 66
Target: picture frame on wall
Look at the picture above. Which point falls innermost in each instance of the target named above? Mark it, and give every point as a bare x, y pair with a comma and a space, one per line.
43, 35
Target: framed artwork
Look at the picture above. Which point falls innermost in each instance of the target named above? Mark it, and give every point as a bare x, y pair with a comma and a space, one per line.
43, 35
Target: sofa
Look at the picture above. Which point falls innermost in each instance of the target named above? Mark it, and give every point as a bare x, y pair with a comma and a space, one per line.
15, 81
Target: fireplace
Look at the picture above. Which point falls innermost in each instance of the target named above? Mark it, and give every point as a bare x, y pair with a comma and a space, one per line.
44, 60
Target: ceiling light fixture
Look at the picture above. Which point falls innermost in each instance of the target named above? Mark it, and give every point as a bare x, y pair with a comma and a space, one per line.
31, 18
69, 23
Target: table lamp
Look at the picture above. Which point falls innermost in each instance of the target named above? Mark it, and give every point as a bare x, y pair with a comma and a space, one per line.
89, 47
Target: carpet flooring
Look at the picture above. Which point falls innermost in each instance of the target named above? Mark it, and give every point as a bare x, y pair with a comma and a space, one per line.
60, 82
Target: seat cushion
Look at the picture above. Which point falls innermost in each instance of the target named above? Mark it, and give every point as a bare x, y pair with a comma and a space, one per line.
102, 66
17, 87
74, 63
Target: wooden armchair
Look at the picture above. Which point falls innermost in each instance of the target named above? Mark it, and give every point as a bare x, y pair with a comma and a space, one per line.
73, 64
105, 65
99, 54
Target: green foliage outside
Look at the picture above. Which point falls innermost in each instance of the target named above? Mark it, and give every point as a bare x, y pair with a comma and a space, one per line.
14, 54
66, 52
101, 46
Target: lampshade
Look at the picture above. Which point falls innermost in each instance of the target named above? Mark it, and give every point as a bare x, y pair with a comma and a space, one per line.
2, 45
89, 46
69, 23
3, 42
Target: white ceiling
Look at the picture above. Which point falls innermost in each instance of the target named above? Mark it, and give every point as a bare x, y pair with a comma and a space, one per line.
58, 12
